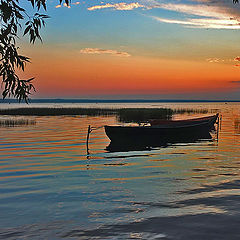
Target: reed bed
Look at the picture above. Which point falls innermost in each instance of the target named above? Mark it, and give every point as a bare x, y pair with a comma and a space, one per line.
16, 122
58, 111
190, 110
125, 115
138, 115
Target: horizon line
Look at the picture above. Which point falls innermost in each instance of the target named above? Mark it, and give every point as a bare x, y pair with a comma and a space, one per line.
97, 100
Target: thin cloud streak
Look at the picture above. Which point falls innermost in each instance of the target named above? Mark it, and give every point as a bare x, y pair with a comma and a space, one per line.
214, 60
104, 51
118, 6
211, 17
219, 60
196, 9
203, 23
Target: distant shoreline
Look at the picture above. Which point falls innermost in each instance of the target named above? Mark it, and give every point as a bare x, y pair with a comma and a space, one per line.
62, 100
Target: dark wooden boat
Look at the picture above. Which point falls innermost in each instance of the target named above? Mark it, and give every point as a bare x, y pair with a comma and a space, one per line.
156, 122
168, 132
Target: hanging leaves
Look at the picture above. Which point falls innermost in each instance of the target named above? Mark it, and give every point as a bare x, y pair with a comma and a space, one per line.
33, 26
12, 17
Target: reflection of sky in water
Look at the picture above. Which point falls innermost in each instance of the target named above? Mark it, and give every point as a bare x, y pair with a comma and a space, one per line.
47, 179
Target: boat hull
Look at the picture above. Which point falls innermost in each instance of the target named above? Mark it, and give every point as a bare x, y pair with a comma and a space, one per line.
150, 134
164, 133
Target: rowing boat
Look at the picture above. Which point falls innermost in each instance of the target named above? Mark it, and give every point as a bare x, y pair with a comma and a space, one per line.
166, 132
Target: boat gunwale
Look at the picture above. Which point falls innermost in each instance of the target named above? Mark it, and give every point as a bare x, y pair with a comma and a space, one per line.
206, 118
205, 123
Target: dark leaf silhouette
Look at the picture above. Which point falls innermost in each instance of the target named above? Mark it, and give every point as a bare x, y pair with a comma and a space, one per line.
13, 19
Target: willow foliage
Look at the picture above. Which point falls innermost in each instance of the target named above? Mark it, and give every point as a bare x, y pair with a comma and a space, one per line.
15, 22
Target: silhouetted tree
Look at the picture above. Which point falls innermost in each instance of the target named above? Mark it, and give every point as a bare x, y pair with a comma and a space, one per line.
16, 21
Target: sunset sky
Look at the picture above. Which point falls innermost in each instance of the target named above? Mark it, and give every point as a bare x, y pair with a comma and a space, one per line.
138, 49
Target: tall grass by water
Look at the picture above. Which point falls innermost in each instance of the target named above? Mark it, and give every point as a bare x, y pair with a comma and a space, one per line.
16, 122
126, 115
49, 111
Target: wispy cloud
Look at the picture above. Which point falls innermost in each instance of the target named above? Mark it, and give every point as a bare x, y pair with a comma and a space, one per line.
227, 61
215, 60
204, 23
195, 9
118, 6
104, 51
209, 16
237, 59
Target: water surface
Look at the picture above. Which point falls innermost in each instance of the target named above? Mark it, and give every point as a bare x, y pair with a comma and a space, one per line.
51, 189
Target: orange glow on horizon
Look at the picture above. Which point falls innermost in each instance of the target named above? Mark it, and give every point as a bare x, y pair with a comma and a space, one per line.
91, 74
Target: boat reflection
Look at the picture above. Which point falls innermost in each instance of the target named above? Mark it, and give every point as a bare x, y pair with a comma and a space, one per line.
148, 145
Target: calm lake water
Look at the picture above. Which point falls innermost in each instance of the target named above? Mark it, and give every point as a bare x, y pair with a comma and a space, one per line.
51, 189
